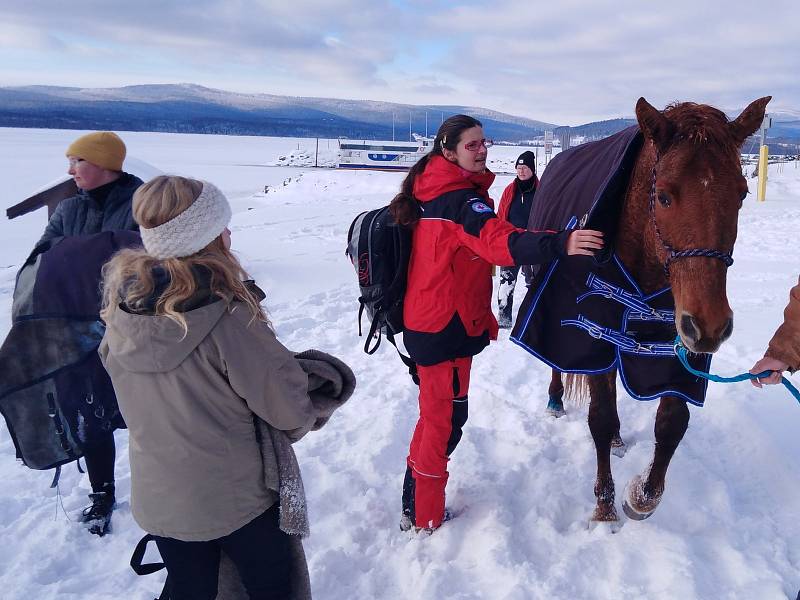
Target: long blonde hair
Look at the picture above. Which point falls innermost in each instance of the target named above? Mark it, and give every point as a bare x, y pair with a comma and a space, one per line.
128, 277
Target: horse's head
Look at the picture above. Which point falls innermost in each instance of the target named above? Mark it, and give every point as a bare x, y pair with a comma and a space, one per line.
698, 189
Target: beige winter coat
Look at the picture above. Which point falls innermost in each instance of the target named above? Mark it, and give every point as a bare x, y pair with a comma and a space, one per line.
196, 467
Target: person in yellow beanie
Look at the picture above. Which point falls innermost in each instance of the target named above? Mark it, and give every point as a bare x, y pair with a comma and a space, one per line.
105, 191
103, 203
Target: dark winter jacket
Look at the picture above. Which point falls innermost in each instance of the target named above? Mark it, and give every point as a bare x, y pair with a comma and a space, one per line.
447, 311
84, 213
517, 200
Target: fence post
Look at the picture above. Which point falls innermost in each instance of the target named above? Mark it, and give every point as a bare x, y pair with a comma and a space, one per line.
763, 160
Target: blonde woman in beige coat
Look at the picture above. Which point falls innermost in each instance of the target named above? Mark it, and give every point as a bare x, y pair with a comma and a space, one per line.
194, 362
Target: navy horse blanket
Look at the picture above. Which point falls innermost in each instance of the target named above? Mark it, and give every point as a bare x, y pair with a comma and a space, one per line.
587, 315
55, 395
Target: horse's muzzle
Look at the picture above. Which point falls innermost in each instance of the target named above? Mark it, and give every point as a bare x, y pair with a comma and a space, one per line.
699, 341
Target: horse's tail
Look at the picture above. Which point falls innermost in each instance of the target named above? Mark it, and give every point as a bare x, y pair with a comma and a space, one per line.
576, 389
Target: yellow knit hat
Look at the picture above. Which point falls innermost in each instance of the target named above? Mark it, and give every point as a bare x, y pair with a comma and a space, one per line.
102, 148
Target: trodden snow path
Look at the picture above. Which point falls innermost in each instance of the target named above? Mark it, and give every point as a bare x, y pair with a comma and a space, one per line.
728, 526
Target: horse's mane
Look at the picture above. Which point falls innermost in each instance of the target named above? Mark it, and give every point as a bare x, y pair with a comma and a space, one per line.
701, 124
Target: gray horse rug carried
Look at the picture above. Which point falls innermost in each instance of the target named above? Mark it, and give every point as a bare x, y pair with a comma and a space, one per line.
588, 315
55, 395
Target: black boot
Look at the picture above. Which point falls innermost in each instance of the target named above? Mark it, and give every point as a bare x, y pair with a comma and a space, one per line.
407, 517
98, 516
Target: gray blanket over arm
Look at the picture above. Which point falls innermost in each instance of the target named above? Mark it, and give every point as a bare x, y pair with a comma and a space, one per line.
330, 383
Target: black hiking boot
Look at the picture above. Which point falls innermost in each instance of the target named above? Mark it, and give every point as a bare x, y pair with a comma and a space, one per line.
97, 517
406, 521
409, 489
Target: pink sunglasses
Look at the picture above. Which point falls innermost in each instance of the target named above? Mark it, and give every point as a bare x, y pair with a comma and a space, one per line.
474, 145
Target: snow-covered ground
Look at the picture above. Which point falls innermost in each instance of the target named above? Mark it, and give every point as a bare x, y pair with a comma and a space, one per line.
729, 524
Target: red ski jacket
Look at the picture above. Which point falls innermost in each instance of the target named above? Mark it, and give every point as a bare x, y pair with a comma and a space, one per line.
508, 197
447, 311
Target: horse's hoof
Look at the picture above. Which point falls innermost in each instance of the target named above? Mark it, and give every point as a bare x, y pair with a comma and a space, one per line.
618, 447
605, 518
609, 526
605, 514
635, 504
634, 514
555, 406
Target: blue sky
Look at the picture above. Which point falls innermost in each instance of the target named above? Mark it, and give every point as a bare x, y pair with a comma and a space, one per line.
565, 62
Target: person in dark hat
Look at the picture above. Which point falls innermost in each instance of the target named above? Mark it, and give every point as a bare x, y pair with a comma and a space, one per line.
515, 207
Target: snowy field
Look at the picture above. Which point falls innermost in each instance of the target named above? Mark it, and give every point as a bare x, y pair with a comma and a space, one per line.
729, 524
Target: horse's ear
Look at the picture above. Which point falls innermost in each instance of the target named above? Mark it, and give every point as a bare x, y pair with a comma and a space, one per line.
747, 123
654, 125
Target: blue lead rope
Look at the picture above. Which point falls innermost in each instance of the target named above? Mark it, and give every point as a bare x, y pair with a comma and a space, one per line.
680, 352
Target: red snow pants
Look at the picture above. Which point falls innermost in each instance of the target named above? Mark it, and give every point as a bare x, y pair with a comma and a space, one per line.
443, 389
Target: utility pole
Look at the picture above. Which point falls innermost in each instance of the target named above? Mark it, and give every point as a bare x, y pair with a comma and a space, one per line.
392, 126
409, 127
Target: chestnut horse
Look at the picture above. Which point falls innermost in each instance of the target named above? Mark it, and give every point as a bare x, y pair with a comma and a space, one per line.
677, 227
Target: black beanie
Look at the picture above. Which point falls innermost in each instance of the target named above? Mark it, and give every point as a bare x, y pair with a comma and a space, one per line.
528, 159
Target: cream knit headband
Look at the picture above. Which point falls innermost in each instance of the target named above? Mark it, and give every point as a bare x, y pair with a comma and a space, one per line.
193, 229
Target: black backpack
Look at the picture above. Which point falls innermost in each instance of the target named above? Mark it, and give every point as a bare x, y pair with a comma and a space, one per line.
379, 249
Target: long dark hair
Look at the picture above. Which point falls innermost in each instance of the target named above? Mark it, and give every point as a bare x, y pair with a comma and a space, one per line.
404, 207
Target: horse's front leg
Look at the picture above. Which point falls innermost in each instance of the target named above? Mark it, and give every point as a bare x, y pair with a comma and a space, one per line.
618, 445
603, 423
644, 492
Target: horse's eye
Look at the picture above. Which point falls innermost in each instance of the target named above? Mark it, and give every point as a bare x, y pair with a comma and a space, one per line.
744, 195
664, 199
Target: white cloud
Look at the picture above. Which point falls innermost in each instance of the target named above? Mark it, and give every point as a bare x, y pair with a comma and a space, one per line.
570, 61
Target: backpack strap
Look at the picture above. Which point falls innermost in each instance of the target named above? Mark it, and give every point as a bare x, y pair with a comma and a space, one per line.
412, 366
360, 312
147, 569
138, 557
56, 477
375, 331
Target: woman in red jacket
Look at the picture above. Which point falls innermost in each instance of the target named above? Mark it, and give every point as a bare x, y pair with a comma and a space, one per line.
447, 311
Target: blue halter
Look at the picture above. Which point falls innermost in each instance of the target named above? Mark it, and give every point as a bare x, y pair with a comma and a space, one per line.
672, 254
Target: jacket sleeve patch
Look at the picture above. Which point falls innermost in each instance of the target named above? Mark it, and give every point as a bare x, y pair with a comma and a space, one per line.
474, 213
479, 206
